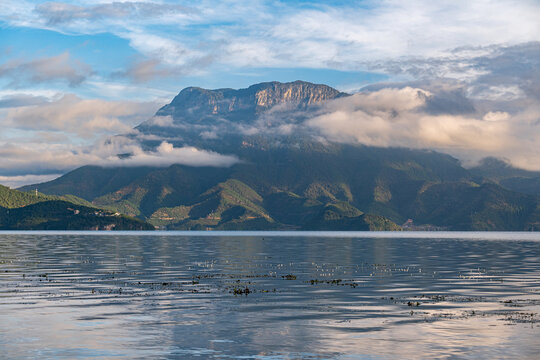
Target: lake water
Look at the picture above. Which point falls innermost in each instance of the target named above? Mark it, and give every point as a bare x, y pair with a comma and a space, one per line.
269, 295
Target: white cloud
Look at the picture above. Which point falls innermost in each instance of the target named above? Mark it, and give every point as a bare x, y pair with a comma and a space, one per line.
398, 118
496, 116
494, 73
166, 154
16, 160
410, 39
45, 135
118, 91
21, 180
266, 34
161, 121
61, 67
82, 117
64, 13
346, 36
170, 51
500, 93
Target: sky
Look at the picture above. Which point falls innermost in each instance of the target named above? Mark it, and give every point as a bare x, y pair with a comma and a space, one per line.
463, 77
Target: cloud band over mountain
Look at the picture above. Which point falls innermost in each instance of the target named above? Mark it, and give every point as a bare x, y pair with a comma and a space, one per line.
459, 77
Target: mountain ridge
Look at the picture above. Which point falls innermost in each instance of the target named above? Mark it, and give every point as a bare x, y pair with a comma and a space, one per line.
255, 99
292, 181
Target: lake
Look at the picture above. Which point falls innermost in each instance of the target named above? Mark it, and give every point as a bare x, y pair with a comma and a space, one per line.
269, 295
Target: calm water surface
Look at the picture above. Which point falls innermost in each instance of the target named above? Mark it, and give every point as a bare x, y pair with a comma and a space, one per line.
270, 295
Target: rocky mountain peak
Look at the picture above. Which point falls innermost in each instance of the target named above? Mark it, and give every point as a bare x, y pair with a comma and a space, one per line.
194, 104
298, 92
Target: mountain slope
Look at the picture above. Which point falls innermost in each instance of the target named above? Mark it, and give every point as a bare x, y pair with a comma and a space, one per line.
397, 184
62, 215
28, 211
507, 176
89, 182
290, 180
476, 207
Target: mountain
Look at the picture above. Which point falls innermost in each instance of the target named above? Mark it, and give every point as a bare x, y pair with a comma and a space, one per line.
27, 211
509, 177
301, 192
291, 180
196, 105
224, 119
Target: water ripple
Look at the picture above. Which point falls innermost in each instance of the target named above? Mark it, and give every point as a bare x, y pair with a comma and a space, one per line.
269, 295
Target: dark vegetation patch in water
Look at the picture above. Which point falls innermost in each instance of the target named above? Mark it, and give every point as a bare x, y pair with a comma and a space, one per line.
115, 285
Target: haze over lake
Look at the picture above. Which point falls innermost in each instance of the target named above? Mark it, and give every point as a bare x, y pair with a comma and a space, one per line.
269, 295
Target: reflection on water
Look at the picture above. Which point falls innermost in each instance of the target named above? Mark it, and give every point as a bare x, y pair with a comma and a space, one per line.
269, 296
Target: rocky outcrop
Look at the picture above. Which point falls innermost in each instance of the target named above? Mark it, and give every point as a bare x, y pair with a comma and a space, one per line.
195, 104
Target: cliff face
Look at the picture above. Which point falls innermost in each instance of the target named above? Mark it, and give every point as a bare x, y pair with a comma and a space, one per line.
196, 104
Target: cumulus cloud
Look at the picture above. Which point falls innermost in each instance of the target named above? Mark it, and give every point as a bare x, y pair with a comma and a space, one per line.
166, 154
85, 118
50, 135
21, 163
474, 69
21, 180
495, 73
399, 118
56, 68
406, 116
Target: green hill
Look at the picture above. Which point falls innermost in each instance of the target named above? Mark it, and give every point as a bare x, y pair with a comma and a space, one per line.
343, 216
28, 211
229, 205
476, 207
509, 177
296, 189
14, 199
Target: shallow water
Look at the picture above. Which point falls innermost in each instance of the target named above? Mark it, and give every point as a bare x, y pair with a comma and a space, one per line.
310, 295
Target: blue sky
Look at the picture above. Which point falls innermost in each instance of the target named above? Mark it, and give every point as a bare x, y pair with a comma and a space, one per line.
111, 64
110, 55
